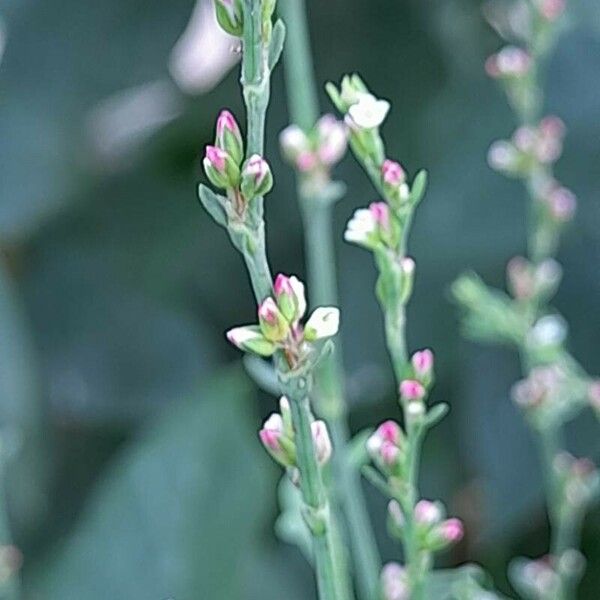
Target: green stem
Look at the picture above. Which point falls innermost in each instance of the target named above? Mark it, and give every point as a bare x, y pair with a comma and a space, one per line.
322, 280
256, 90
317, 514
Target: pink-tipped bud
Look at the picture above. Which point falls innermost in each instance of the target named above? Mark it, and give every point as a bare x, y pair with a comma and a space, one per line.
306, 161
395, 582
551, 9
390, 431
332, 140
271, 432
392, 172
293, 142
290, 296
272, 323
452, 530
427, 512
411, 390
562, 204
321, 441
422, 363
389, 453
509, 62
220, 168
229, 136
257, 179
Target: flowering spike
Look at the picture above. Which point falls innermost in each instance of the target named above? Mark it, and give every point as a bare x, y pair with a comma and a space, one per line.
272, 323
229, 136
323, 323
250, 339
257, 179
230, 16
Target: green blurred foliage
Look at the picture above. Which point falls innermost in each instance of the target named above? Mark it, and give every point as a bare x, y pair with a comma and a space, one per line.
116, 288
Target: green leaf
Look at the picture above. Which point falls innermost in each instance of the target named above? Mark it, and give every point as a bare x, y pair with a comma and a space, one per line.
419, 187
277, 41
436, 414
179, 514
214, 204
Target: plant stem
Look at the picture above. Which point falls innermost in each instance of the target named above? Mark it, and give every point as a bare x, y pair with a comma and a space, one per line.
256, 90
320, 257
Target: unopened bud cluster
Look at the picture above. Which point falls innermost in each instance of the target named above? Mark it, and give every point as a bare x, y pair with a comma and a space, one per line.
579, 481
277, 437
279, 324
227, 170
529, 148
315, 153
550, 394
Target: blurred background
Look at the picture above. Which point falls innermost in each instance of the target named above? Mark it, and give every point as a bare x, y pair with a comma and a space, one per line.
128, 423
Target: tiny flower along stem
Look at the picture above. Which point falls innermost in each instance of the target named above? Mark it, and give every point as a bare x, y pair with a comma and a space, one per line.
247, 232
316, 209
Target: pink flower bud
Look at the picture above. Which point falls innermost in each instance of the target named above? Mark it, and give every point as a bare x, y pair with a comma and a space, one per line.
332, 140
257, 179
290, 296
502, 156
410, 390
394, 582
551, 9
272, 323
271, 432
321, 441
509, 62
562, 204
392, 173
389, 453
422, 363
306, 161
229, 136
452, 530
390, 431
427, 513
216, 157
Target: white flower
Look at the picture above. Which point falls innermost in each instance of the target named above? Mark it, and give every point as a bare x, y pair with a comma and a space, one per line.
250, 339
293, 141
361, 227
323, 323
368, 112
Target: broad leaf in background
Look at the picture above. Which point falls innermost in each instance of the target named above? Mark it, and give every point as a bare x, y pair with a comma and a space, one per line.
20, 409
181, 513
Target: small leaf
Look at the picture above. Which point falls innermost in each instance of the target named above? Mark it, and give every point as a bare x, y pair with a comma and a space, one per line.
372, 476
277, 40
436, 414
263, 374
335, 97
418, 188
214, 204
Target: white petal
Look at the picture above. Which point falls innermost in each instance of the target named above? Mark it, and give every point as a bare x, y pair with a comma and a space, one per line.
323, 323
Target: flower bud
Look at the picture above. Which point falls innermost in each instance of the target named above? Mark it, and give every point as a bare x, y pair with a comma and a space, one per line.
332, 140
272, 323
368, 112
452, 530
503, 157
394, 582
250, 339
510, 62
230, 16
427, 512
321, 441
422, 364
229, 136
393, 179
551, 9
411, 389
293, 142
220, 168
362, 229
290, 296
257, 179
561, 204
385, 445
278, 445
323, 323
